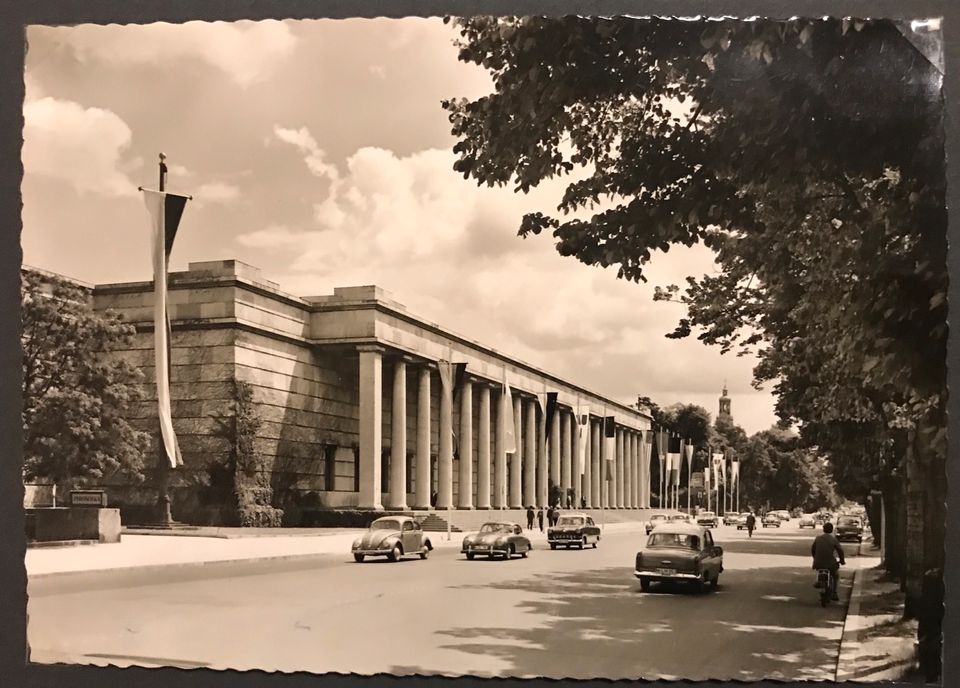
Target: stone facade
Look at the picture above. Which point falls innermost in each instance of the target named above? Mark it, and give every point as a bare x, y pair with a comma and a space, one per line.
337, 380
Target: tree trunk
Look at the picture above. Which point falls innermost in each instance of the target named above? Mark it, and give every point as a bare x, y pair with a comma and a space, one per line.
914, 506
894, 551
931, 608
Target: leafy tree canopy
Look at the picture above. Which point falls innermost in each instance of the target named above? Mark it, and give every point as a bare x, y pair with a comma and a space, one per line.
74, 391
807, 154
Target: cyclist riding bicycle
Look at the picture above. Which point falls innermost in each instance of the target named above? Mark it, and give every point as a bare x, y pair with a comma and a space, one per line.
824, 547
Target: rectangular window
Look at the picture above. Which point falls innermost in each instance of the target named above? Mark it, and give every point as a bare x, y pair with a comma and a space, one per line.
409, 486
356, 468
330, 467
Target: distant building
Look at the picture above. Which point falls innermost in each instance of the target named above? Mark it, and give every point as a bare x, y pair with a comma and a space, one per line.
348, 390
725, 411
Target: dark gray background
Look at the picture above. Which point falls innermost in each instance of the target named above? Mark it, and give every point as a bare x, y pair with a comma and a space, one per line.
16, 14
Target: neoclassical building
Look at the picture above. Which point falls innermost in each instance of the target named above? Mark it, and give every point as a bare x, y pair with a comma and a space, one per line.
348, 391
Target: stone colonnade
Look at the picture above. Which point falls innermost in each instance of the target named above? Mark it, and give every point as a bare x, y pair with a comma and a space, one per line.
502, 480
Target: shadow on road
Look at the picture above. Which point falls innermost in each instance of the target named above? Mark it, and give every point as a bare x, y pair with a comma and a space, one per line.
597, 624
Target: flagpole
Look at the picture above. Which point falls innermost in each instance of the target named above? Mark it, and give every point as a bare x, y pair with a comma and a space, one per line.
163, 487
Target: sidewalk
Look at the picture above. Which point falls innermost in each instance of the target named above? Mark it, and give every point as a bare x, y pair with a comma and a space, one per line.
877, 644
189, 547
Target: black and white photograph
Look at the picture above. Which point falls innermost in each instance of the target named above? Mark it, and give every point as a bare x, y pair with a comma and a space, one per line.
568, 347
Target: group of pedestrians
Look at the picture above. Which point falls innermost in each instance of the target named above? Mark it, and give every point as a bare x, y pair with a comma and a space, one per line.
552, 516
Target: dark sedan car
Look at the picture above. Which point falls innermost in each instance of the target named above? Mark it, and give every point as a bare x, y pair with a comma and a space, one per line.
497, 539
680, 552
574, 530
770, 520
849, 528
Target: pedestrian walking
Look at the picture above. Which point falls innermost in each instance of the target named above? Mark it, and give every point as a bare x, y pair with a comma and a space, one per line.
549, 515
540, 518
556, 516
530, 518
751, 523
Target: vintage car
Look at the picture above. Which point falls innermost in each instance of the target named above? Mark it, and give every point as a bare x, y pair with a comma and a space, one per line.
730, 518
849, 528
496, 538
574, 529
654, 521
680, 552
808, 521
742, 521
681, 518
707, 518
783, 515
392, 537
770, 520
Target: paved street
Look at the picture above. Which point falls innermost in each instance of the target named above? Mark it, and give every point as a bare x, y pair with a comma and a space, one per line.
557, 613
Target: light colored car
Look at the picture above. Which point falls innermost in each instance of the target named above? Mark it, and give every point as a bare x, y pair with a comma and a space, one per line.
707, 519
731, 518
392, 537
770, 520
655, 520
783, 515
742, 521
681, 518
679, 552
497, 538
574, 530
807, 521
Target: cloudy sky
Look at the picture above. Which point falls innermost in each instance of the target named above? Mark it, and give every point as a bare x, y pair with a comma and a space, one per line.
318, 151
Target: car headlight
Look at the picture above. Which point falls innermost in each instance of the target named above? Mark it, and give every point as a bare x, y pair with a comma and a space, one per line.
356, 544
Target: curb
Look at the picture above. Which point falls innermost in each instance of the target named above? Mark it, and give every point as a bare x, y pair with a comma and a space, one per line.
61, 543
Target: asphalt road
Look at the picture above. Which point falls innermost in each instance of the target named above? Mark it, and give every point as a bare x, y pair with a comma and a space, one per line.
560, 614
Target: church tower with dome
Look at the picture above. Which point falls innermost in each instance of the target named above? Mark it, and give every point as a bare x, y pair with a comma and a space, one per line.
725, 411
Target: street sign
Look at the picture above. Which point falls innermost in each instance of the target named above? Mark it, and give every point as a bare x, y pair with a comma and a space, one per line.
696, 480
96, 498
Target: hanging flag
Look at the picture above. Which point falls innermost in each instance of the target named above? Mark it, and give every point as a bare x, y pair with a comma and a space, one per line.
706, 478
610, 440
165, 211
506, 417
734, 472
550, 409
583, 424
717, 460
673, 457
723, 469
458, 371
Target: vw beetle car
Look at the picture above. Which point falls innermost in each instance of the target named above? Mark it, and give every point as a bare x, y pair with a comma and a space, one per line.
707, 519
770, 520
849, 528
496, 538
392, 537
680, 552
807, 521
574, 529
654, 521
731, 518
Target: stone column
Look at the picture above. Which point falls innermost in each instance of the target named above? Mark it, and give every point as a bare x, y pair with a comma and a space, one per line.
445, 458
621, 474
634, 471
566, 479
516, 461
504, 412
422, 499
398, 442
596, 462
371, 419
530, 456
543, 459
555, 439
466, 444
574, 462
588, 465
483, 450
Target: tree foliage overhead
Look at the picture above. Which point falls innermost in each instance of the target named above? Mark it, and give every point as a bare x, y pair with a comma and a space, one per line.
807, 154
74, 392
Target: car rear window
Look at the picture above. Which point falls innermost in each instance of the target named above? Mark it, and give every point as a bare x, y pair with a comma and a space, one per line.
848, 521
674, 540
385, 524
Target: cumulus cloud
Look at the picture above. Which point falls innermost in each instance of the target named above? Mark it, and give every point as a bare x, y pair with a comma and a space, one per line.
248, 52
217, 192
448, 250
82, 146
314, 157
